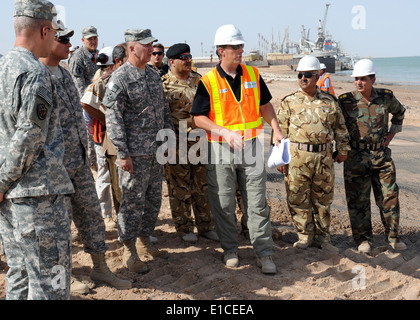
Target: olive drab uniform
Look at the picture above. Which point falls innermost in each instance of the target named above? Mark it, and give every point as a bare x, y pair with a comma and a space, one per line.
34, 222
137, 111
369, 164
83, 204
187, 183
312, 127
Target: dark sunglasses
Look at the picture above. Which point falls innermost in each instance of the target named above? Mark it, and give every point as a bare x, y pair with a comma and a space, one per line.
237, 46
64, 40
308, 75
160, 53
184, 57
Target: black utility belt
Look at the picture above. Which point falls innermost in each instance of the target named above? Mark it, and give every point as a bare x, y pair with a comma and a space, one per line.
367, 146
312, 147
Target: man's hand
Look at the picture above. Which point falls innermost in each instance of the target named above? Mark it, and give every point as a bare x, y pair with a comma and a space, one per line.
127, 164
283, 169
235, 140
388, 139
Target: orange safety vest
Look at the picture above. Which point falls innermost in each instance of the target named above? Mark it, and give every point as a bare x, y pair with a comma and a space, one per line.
321, 84
97, 131
226, 111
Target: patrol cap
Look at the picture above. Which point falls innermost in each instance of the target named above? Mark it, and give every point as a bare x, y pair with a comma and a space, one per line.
143, 36
89, 32
64, 31
177, 49
37, 9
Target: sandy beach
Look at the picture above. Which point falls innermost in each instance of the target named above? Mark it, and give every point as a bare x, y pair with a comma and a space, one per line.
197, 272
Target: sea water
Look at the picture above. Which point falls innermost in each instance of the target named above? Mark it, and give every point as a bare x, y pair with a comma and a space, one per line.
400, 70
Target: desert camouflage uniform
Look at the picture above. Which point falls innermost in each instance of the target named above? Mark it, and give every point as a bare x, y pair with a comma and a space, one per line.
364, 169
187, 183
34, 221
137, 111
310, 177
83, 204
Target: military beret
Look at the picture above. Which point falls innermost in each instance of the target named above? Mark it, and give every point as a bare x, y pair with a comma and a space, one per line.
143, 36
89, 32
177, 49
37, 9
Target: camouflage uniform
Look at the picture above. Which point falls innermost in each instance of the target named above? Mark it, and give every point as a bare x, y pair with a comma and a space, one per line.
310, 177
83, 70
137, 111
83, 204
34, 221
369, 164
187, 183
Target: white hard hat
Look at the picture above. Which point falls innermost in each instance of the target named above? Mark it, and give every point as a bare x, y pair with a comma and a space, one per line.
364, 67
323, 66
228, 35
108, 52
309, 63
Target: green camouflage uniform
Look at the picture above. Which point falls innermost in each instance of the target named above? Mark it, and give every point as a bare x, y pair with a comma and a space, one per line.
187, 183
369, 165
310, 177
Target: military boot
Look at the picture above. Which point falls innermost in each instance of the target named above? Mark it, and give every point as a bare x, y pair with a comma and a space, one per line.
146, 248
78, 287
131, 259
304, 241
101, 273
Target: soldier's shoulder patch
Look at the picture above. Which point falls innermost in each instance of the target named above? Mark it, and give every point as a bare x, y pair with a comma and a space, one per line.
346, 97
385, 92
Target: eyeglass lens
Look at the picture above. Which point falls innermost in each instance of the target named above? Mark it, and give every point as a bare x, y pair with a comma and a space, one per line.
307, 75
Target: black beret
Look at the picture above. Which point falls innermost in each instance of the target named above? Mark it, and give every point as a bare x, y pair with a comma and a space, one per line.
177, 49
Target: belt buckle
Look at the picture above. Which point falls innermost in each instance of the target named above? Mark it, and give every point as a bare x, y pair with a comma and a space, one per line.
315, 147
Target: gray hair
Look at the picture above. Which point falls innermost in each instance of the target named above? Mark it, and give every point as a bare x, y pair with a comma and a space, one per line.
27, 23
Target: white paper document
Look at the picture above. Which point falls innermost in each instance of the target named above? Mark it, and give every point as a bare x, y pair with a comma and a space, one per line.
279, 155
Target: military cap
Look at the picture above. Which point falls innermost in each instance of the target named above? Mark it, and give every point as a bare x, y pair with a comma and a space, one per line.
89, 32
37, 9
143, 36
64, 32
177, 49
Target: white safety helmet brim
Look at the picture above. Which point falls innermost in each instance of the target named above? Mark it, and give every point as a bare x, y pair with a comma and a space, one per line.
364, 68
309, 63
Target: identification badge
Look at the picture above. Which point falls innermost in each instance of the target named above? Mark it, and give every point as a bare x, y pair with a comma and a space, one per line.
223, 90
250, 85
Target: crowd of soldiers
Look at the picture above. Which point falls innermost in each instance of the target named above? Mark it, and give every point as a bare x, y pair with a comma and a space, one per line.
80, 142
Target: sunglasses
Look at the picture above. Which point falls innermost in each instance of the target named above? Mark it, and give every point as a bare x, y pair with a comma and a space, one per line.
160, 53
236, 47
184, 57
56, 35
64, 40
308, 75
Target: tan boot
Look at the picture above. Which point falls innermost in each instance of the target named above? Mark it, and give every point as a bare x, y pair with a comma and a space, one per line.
146, 248
101, 273
304, 241
131, 259
78, 287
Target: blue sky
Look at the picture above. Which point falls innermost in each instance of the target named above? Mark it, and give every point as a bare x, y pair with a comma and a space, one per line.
383, 29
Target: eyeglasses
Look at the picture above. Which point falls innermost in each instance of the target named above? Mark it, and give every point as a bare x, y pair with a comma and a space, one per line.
158, 53
236, 47
308, 75
64, 40
57, 35
184, 57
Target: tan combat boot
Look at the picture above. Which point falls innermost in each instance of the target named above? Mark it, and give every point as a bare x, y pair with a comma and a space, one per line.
304, 241
146, 248
131, 259
78, 287
101, 273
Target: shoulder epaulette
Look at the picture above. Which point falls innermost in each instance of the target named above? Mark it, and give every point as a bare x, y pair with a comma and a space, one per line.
385, 92
289, 95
